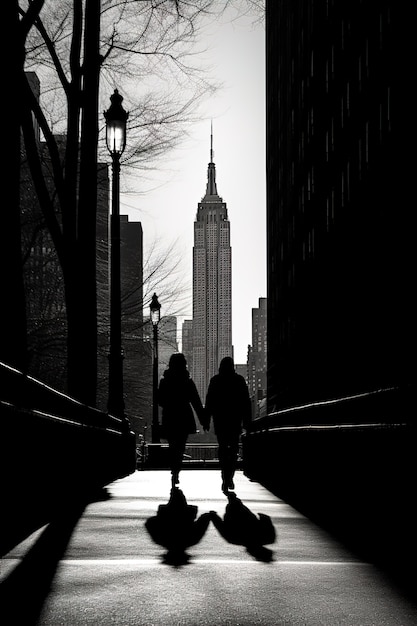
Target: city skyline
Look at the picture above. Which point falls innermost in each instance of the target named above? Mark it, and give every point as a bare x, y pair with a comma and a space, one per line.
166, 208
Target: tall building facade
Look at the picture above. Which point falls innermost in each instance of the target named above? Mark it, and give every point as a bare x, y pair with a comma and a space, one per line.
212, 284
340, 236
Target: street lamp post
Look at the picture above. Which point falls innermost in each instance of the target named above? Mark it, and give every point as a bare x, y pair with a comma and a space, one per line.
116, 118
155, 315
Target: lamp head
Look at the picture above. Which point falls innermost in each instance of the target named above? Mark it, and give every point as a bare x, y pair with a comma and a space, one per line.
155, 310
116, 118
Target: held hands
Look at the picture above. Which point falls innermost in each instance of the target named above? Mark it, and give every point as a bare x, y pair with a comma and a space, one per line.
205, 421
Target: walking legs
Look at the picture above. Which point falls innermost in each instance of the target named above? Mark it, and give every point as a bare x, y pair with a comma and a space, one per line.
228, 452
176, 453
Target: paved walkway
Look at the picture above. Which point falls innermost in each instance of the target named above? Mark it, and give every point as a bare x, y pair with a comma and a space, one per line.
255, 561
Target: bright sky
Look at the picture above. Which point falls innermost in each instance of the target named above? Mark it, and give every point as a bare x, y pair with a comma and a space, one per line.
238, 113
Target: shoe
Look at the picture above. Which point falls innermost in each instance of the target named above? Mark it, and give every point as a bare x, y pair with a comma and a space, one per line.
175, 479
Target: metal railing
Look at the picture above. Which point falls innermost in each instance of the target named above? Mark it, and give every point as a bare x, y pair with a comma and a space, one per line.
197, 455
200, 452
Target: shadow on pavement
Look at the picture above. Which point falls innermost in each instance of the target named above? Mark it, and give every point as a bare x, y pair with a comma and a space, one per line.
29, 512
242, 527
23, 592
176, 528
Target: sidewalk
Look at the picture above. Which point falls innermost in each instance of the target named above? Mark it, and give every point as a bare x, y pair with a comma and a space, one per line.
103, 568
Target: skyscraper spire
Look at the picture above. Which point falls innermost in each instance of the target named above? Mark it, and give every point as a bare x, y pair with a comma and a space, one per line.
211, 189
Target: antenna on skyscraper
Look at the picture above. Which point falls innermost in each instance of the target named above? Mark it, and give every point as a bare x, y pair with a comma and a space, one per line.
211, 143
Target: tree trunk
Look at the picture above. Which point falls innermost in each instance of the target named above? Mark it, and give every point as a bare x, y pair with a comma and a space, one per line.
78, 342
13, 347
82, 318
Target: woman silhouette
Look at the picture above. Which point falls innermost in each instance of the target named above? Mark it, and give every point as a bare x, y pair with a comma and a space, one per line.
177, 393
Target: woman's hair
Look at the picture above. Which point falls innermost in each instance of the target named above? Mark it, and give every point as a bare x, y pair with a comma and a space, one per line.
227, 366
177, 362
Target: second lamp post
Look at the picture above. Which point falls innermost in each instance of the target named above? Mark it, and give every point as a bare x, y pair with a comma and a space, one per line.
116, 118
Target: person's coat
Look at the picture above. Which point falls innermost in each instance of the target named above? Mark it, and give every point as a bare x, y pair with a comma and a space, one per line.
228, 402
178, 396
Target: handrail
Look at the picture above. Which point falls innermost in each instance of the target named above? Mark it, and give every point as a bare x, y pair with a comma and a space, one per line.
25, 392
338, 411
332, 401
339, 427
8, 408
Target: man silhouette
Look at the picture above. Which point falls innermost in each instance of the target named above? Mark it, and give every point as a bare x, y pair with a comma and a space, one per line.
228, 402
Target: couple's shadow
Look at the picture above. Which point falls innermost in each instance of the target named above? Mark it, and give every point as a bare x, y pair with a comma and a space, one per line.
176, 528
242, 527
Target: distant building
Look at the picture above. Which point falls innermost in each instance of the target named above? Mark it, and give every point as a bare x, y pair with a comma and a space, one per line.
137, 356
212, 284
187, 343
167, 341
131, 261
242, 369
257, 356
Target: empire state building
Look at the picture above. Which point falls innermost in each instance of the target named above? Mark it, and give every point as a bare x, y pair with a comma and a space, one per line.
212, 284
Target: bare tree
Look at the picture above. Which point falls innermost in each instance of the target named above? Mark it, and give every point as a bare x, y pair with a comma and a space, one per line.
64, 41
149, 46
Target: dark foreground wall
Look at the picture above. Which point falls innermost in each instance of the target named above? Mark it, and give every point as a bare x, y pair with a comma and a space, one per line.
357, 479
340, 184
53, 451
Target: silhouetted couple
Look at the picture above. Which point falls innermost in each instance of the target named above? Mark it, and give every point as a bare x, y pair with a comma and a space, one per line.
227, 402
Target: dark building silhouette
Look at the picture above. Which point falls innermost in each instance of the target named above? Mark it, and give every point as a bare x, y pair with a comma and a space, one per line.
131, 260
137, 356
341, 313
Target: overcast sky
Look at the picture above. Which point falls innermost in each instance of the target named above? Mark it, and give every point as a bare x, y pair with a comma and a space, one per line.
238, 112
